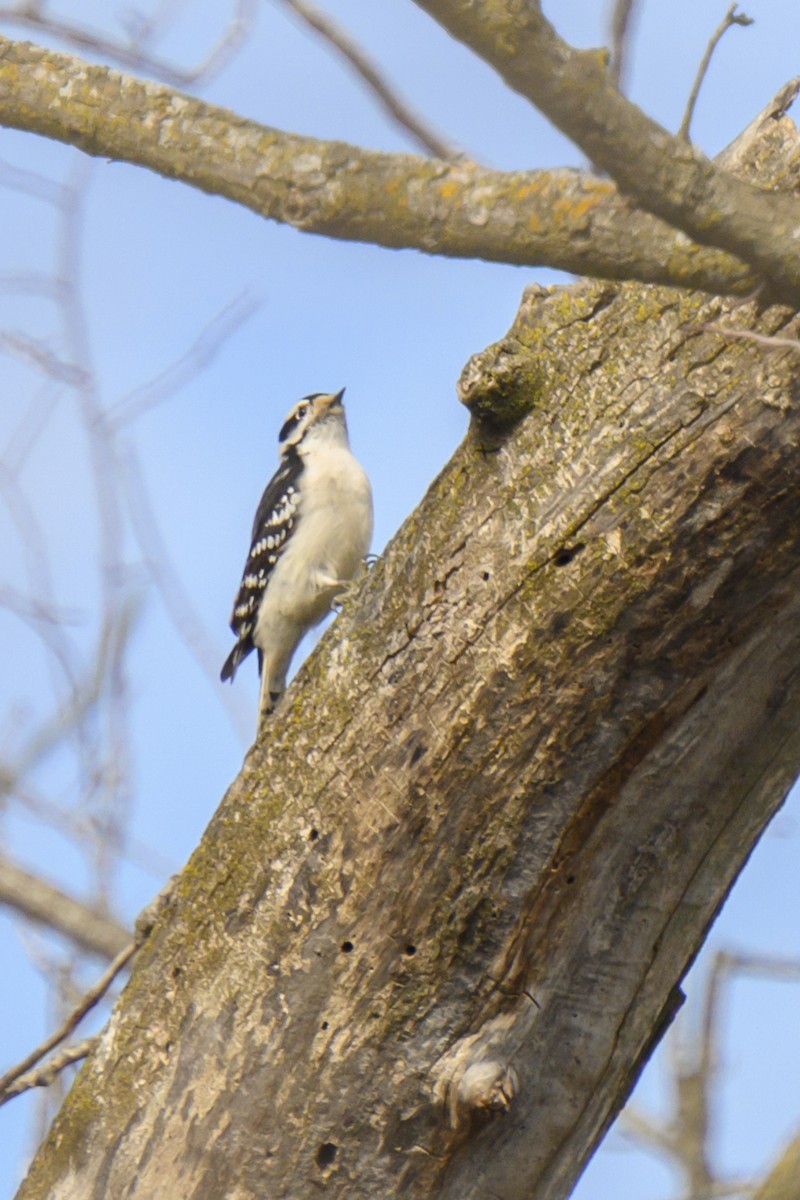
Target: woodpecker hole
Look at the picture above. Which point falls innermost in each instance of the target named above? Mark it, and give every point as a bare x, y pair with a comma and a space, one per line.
346, 947
326, 1154
410, 951
565, 555
313, 834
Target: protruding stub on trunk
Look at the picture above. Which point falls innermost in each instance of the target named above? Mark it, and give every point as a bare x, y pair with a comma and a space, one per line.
499, 389
476, 1080
517, 375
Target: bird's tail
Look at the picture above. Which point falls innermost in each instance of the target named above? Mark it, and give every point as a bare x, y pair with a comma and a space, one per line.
239, 651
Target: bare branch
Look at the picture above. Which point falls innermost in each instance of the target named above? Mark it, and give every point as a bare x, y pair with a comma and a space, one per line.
390, 100
33, 611
92, 997
43, 1076
38, 186
37, 562
130, 54
28, 431
647, 1131
731, 18
78, 828
750, 335
36, 353
176, 600
768, 966
28, 283
666, 176
202, 351
83, 696
50, 906
562, 219
622, 20
683, 1137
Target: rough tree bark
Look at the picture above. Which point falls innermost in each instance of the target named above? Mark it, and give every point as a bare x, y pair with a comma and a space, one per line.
440, 919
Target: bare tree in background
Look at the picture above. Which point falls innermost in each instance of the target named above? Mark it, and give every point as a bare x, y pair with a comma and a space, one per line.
89, 720
425, 992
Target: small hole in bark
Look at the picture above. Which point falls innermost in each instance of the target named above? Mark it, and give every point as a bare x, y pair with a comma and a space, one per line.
326, 1154
324, 1025
410, 950
313, 834
570, 879
565, 555
347, 947
485, 576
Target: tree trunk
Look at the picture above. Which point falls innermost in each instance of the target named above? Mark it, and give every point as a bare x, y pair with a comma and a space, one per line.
439, 921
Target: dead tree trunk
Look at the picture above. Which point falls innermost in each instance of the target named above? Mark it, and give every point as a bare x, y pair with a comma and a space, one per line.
440, 919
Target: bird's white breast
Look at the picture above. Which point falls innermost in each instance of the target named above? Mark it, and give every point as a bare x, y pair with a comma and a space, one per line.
334, 529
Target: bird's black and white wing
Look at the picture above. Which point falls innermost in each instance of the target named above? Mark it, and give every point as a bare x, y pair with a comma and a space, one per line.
274, 524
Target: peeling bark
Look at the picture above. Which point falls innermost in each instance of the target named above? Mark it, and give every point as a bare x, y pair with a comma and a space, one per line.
439, 921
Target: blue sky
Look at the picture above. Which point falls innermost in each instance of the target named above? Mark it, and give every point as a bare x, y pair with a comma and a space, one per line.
159, 262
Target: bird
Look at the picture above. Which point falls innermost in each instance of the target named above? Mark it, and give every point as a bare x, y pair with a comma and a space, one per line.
311, 533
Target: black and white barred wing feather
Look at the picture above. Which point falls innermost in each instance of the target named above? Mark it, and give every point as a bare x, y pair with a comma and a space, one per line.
274, 524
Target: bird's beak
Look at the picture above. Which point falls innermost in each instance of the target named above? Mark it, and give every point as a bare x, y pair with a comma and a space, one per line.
332, 402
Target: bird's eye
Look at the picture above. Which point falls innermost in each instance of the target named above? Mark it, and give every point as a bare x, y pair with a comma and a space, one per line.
293, 420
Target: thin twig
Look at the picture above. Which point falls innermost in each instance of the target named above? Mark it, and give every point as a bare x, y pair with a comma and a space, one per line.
43, 1076
731, 18
394, 105
768, 965
649, 1132
35, 353
39, 187
87, 1003
30, 428
174, 595
749, 335
188, 366
622, 21
77, 828
133, 56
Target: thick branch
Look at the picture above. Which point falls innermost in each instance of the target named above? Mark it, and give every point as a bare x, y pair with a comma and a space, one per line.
664, 174
40, 901
559, 219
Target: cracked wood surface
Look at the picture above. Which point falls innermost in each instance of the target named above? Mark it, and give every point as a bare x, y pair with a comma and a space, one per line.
438, 922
